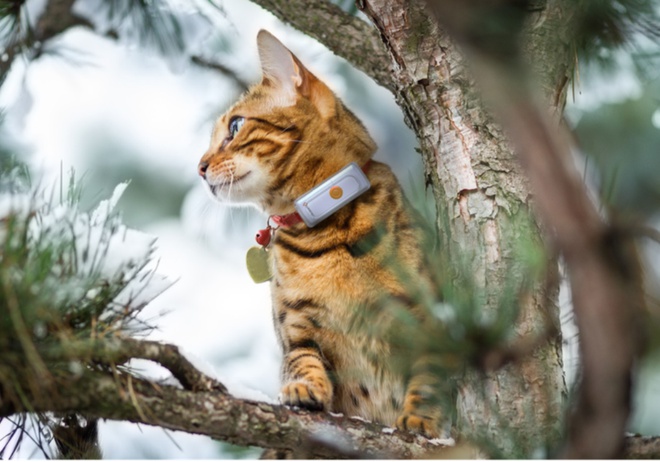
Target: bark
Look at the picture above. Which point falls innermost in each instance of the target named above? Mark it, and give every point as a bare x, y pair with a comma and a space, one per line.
641, 447
200, 407
603, 267
484, 202
606, 292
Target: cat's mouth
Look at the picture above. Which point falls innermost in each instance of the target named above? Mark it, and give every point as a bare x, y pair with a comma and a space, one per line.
233, 180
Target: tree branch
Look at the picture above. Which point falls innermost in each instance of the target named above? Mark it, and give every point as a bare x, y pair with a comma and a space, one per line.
242, 422
219, 67
96, 394
121, 350
56, 18
483, 202
345, 35
642, 447
202, 409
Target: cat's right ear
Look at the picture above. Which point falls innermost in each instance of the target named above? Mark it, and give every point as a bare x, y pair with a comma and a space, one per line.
278, 65
282, 69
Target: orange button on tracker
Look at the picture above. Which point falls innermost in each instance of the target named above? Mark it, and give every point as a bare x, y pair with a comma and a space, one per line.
336, 192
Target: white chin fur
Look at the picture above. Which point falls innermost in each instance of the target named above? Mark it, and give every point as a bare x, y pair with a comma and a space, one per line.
247, 190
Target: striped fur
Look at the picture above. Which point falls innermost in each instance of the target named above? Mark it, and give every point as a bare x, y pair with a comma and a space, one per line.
332, 283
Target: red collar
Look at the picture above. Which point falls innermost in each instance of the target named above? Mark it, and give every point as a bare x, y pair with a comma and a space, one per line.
290, 219
285, 221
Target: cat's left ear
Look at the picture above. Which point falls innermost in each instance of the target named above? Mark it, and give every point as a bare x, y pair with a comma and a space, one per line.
282, 69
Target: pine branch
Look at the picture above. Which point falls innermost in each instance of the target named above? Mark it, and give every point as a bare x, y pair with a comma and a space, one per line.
97, 394
57, 17
121, 350
346, 36
224, 70
223, 417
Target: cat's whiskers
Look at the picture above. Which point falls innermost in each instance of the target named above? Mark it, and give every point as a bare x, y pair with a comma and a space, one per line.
286, 129
209, 213
231, 185
229, 191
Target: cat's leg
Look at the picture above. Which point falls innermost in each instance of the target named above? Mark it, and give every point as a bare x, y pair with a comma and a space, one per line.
304, 368
306, 381
421, 411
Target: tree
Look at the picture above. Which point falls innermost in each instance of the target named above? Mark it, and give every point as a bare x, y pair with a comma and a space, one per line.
494, 160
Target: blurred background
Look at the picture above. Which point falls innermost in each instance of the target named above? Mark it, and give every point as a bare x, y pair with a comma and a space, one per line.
127, 104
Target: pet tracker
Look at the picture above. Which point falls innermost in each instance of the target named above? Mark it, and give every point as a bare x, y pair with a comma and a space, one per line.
314, 206
320, 202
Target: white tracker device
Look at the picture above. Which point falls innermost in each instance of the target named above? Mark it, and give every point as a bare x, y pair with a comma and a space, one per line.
323, 200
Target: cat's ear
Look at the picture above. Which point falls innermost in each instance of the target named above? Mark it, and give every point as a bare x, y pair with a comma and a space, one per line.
283, 70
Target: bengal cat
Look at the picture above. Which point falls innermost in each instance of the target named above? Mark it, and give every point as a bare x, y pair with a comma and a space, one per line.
285, 136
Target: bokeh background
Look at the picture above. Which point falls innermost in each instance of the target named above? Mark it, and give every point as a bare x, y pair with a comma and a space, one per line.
112, 107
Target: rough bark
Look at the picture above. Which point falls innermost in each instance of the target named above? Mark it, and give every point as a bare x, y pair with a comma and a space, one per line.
201, 407
606, 292
484, 203
602, 264
641, 447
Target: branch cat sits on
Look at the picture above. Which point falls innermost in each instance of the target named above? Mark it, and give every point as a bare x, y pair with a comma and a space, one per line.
284, 137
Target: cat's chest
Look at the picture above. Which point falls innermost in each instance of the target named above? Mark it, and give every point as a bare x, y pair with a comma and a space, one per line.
325, 272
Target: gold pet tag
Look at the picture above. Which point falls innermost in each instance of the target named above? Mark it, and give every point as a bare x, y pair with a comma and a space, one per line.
258, 264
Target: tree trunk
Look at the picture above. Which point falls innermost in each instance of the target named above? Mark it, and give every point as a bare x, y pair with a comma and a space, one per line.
483, 214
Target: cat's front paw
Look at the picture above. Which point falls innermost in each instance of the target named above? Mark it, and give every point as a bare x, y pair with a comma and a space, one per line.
305, 395
422, 424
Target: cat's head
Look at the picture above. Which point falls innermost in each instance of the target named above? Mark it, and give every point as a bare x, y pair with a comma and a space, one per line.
283, 137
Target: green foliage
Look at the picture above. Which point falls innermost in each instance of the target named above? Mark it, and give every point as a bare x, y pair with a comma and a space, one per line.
460, 327
11, 22
622, 140
10, 8
152, 21
64, 276
613, 24
153, 24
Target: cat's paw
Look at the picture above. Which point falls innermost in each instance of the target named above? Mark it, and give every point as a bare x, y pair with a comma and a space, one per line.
421, 424
305, 395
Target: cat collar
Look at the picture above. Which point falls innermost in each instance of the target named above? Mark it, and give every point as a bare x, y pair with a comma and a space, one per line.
320, 202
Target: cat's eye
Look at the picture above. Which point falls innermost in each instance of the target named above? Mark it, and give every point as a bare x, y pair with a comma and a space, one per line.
235, 125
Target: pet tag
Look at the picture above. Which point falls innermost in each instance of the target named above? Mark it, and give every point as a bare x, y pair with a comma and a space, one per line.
258, 264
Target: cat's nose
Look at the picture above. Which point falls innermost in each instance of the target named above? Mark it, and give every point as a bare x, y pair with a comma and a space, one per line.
201, 169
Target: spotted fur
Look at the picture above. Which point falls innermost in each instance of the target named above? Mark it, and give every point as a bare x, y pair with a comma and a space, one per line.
294, 134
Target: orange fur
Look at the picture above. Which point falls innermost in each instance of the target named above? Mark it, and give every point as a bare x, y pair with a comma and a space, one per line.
295, 134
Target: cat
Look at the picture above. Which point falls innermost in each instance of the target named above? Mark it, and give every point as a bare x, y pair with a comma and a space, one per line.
285, 136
